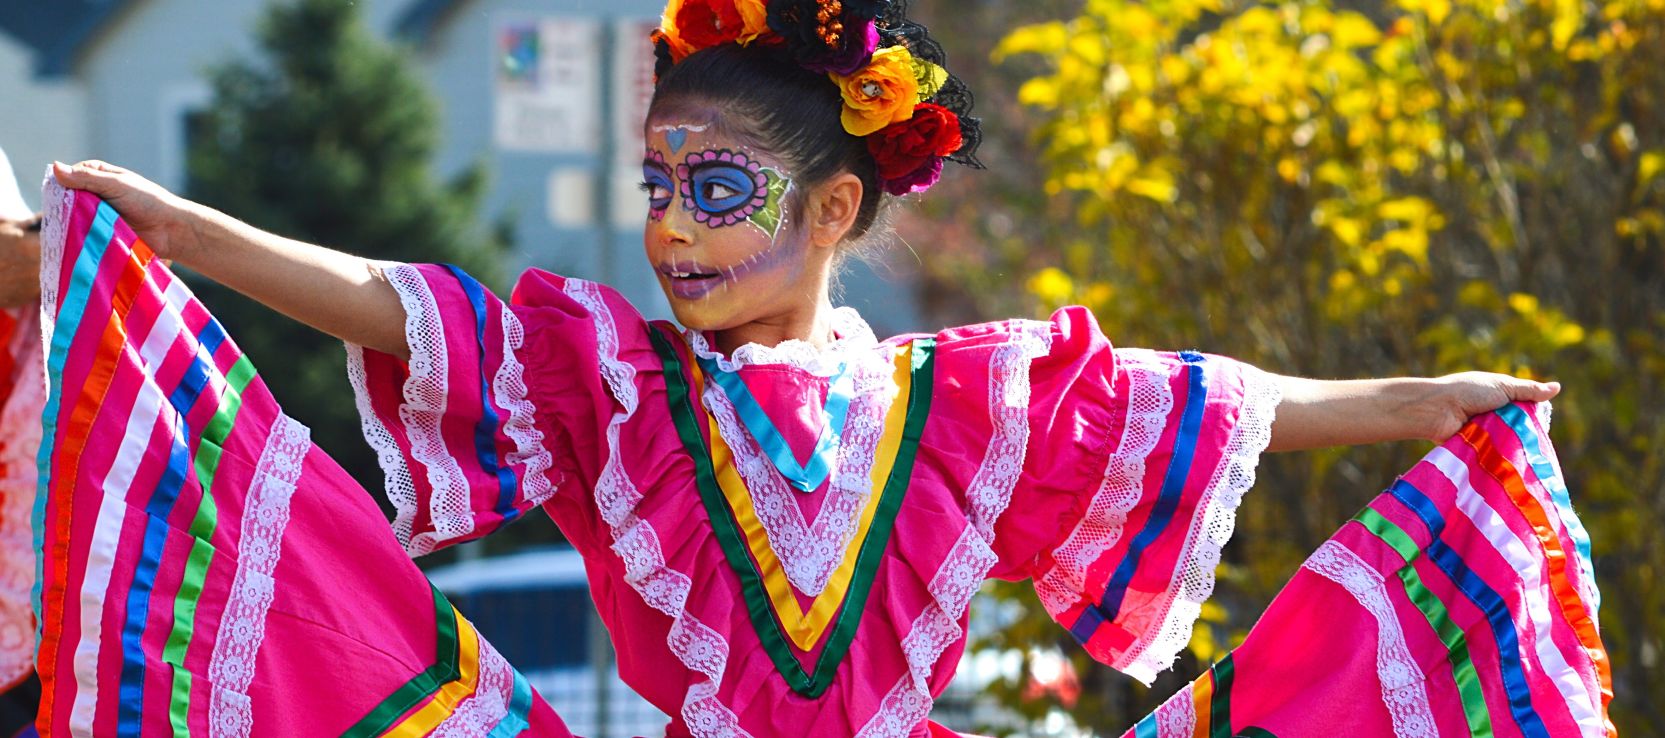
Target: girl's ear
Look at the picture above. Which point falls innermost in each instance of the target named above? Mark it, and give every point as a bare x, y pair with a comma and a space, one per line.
833, 207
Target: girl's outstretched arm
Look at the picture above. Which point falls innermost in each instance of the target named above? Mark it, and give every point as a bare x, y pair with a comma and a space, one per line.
343, 295
1316, 413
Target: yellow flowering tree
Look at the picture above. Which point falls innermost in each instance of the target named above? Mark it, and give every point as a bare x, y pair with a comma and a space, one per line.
1357, 189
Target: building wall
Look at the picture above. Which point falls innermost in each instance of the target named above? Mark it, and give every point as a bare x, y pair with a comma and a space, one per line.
40, 120
148, 68
556, 198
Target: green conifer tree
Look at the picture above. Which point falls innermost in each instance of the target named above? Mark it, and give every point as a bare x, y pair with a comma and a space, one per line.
328, 137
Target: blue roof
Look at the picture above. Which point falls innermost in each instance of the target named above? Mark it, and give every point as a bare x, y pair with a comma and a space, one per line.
419, 20
57, 30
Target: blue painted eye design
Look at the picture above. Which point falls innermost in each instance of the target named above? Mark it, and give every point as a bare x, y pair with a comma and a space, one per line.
722, 187
656, 182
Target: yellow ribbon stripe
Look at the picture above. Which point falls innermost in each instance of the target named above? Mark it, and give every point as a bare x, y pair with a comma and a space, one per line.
806, 629
445, 701
1202, 700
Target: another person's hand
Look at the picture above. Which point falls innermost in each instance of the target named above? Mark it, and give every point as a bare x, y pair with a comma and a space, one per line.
19, 262
1455, 398
166, 222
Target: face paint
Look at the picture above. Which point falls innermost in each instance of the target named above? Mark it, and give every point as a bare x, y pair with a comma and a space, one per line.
772, 215
724, 188
749, 259
677, 136
692, 280
656, 182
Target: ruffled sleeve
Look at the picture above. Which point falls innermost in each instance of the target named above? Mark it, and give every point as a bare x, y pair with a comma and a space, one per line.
1132, 466
496, 413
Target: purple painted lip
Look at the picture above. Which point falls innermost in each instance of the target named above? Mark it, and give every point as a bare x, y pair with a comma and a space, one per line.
691, 281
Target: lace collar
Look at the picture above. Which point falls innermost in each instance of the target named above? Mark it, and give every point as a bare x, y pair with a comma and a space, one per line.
854, 337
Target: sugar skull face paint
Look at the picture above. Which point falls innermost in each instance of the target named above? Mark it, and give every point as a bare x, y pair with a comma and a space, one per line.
722, 187
722, 233
677, 136
656, 182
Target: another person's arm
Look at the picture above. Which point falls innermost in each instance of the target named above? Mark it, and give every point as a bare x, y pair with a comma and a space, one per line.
343, 295
19, 262
1317, 413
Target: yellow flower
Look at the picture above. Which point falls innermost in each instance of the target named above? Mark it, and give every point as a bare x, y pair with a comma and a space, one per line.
883, 93
755, 15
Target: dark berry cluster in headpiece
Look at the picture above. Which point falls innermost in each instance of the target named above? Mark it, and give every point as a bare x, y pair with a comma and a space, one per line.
897, 95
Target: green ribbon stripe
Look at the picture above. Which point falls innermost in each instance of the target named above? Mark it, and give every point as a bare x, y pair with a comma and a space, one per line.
206, 463
769, 630
447, 652
1456, 644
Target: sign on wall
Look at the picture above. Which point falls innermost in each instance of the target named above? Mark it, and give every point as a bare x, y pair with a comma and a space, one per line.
547, 85
632, 92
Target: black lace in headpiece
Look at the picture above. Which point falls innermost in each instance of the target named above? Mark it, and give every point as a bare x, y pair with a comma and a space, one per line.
895, 29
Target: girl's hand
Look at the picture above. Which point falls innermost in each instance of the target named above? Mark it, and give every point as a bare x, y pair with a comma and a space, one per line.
19, 262
169, 224
1316, 413
1455, 398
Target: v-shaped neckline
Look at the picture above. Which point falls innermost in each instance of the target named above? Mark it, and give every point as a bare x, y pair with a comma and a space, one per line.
806, 476
770, 602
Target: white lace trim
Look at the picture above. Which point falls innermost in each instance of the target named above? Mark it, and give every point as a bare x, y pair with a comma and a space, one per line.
1194, 573
1177, 718
20, 432
508, 388
854, 338
259, 546
969, 562
423, 411
1149, 402
1403, 692
479, 713
401, 491
810, 552
54, 232
699, 648
424, 392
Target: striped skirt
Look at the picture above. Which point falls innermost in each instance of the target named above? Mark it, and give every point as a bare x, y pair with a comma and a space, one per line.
1460, 602
205, 569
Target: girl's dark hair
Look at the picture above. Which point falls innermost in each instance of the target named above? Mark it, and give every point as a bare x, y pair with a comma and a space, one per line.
789, 111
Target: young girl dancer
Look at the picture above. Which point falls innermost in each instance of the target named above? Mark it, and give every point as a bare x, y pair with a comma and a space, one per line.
783, 516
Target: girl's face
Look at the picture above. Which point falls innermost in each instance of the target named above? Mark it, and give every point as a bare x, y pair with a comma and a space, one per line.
721, 232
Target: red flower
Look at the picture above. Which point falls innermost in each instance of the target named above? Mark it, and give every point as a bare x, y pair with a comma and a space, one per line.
707, 23
909, 154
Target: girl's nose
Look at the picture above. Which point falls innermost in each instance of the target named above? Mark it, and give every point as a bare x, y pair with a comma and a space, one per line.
677, 227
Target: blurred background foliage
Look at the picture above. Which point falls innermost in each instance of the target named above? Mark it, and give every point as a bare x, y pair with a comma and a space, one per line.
328, 136
1334, 188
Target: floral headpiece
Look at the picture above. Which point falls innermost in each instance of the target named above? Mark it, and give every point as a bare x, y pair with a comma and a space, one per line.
913, 114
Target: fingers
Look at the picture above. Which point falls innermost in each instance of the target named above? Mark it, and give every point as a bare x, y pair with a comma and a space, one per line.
1524, 390
100, 178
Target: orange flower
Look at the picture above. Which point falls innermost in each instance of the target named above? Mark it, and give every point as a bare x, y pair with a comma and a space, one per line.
883, 93
755, 17
691, 25
668, 31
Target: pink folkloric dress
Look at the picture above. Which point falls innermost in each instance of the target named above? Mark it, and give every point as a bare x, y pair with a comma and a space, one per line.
205, 569
739, 602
